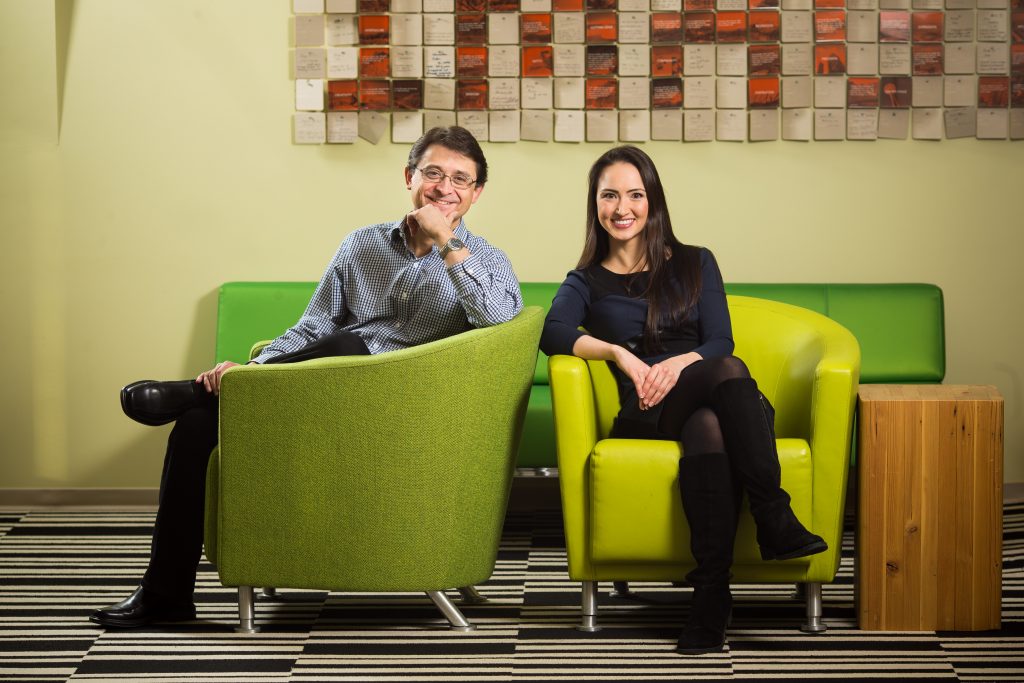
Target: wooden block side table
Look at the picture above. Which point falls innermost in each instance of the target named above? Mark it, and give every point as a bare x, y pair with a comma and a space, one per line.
930, 525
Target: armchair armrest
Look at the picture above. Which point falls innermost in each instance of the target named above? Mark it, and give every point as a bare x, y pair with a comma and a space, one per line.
575, 415
831, 429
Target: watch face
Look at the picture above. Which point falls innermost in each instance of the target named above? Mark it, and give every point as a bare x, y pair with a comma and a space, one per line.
454, 244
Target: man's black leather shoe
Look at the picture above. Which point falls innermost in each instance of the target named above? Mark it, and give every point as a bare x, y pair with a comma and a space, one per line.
157, 403
140, 609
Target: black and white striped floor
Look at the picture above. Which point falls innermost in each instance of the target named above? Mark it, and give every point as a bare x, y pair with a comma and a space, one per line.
56, 567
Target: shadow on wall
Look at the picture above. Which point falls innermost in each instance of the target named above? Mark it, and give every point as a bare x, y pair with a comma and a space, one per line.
140, 457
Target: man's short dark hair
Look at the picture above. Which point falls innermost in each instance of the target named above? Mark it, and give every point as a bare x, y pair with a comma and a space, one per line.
455, 138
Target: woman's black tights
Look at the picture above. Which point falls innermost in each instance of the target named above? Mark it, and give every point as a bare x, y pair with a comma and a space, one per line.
687, 414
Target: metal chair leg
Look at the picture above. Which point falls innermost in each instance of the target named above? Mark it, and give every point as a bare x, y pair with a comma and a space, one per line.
246, 611
814, 623
621, 590
450, 611
589, 596
470, 596
269, 592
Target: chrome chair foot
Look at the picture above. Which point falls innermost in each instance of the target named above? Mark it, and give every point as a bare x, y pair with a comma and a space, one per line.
814, 624
450, 611
588, 624
269, 592
246, 611
470, 596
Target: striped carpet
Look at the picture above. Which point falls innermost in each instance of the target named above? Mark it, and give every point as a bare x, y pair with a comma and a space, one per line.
55, 567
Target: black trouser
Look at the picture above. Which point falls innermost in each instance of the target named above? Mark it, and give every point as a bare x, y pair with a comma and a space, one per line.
178, 534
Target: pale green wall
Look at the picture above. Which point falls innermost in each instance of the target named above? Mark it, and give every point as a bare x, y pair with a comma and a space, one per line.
175, 172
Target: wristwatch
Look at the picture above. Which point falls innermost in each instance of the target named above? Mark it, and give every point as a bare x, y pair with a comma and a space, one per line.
453, 244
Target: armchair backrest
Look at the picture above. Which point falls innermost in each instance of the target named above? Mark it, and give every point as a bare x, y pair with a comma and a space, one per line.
782, 346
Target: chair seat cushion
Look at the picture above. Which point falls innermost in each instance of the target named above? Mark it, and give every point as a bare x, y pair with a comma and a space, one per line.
636, 514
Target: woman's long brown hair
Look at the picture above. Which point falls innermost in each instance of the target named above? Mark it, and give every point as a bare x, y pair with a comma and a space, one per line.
669, 300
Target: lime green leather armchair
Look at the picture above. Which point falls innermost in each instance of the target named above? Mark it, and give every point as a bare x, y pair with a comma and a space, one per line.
370, 473
620, 500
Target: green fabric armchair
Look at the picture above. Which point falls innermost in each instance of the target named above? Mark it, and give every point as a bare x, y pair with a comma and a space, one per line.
370, 473
620, 499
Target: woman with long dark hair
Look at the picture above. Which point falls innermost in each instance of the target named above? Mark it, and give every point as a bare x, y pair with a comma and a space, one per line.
656, 309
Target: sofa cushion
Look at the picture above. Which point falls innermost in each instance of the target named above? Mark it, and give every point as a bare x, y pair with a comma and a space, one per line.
636, 515
248, 312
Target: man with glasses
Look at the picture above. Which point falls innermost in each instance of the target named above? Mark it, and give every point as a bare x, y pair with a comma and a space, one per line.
388, 287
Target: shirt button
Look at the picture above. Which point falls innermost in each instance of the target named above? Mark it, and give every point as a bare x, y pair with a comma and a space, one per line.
398, 325
405, 295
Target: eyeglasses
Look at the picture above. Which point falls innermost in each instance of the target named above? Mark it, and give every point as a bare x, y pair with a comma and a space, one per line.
459, 180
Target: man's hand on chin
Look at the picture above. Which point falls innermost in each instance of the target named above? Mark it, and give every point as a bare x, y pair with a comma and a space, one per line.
433, 223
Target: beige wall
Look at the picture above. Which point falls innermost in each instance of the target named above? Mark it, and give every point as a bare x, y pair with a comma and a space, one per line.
174, 172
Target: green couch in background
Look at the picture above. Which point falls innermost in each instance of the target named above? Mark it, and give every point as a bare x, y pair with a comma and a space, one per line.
900, 329
370, 473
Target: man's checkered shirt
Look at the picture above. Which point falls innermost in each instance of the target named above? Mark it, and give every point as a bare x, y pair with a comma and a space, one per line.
376, 288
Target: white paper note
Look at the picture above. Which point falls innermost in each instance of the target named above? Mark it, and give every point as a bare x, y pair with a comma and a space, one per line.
634, 93
348, 6
797, 59
667, 124
961, 122
634, 60
503, 93
634, 126
373, 126
959, 27
829, 124
926, 91
309, 94
402, 6
732, 60
699, 93
602, 126
862, 27
993, 26
307, 6
438, 29
504, 126
797, 124
343, 62
959, 58
731, 94
406, 29
894, 124
927, 124
569, 93
439, 62
764, 125
731, 125
797, 27
310, 128
569, 60
698, 60
862, 124
536, 125
407, 62
503, 61
568, 126
796, 92
634, 27
502, 28
406, 126
309, 30
698, 125
893, 59
862, 59
569, 27
960, 91
438, 119
341, 29
1017, 124
438, 93
993, 58
342, 127
536, 93
475, 122
993, 124
309, 62
829, 91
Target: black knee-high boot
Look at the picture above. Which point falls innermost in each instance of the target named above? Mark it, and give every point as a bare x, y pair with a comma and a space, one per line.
748, 427
710, 502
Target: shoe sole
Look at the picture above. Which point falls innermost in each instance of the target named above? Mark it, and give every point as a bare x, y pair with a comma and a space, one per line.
809, 549
136, 623
701, 650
